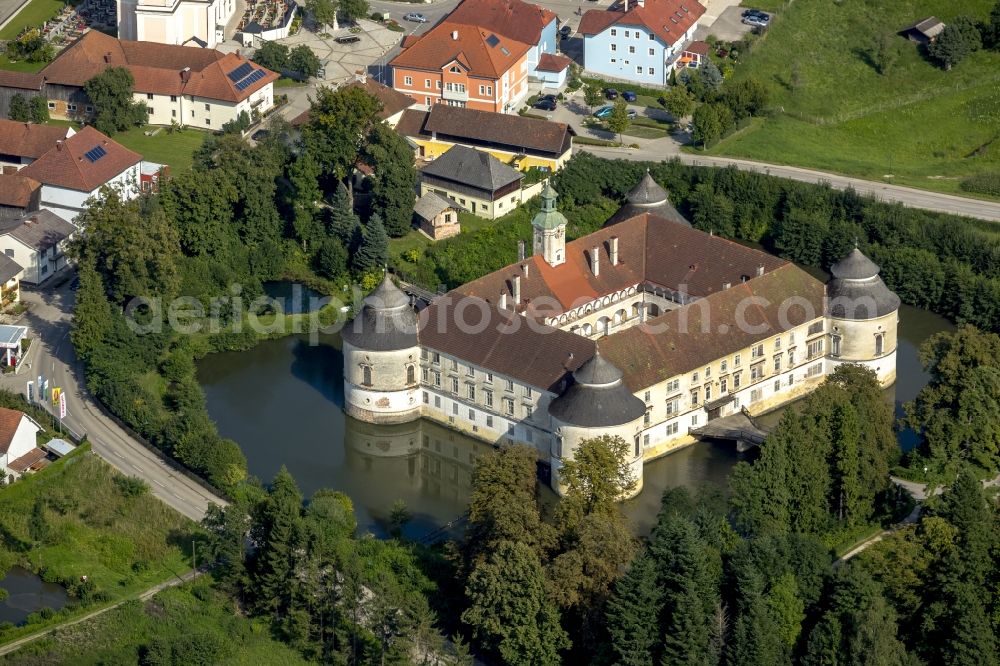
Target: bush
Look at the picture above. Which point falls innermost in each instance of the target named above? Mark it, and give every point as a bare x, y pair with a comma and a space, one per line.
131, 486
983, 183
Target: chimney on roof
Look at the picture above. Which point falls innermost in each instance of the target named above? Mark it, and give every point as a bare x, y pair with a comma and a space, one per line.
59, 144
503, 300
726, 285
520, 250
524, 270
516, 282
760, 270
613, 250
641, 3
454, 35
107, 57
595, 261
185, 75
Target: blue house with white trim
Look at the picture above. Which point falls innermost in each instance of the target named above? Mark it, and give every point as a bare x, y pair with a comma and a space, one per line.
639, 41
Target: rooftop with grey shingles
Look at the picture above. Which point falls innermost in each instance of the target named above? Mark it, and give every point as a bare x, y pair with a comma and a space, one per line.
474, 168
433, 204
39, 230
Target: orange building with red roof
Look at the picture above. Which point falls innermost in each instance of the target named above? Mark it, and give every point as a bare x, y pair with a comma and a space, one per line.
179, 84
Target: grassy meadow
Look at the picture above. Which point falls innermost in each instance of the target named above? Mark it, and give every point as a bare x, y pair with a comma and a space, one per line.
916, 125
195, 621
119, 536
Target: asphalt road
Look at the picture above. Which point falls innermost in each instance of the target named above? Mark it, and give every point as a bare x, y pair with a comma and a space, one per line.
51, 354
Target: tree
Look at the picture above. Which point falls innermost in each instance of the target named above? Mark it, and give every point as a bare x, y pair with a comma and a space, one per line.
509, 611
399, 517
324, 12
678, 102
958, 40
38, 525
277, 534
342, 221
273, 56
303, 174
339, 123
39, 109
707, 124
637, 599
592, 95
393, 179
304, 60
352, 10
991, 33
331, 259
710, 76
18, 108
618, 121
111, 94
598, 475
884, 52
746, 97
373, 251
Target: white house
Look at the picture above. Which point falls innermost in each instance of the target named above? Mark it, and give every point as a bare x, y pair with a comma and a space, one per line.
76, 169
37, 242
638, 40
201, 22
17, 441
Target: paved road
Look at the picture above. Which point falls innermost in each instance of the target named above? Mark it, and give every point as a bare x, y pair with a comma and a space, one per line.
13, 646
51, 354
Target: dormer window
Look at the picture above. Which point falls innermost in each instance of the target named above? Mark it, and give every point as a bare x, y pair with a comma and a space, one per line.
454, 69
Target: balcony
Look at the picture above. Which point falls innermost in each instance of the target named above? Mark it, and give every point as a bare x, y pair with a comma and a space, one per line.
458, 95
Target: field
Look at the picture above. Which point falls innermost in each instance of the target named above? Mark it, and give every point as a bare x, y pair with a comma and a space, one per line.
916, 125
122, 542
36, 13
194, 620
176, 149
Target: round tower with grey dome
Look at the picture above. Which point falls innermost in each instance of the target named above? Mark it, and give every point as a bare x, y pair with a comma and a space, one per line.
382, 358
597, 402
647, 197
864, 315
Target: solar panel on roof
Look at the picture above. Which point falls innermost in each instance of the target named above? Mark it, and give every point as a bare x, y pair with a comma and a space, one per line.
95, 153
248, 81
240, 72
492, 40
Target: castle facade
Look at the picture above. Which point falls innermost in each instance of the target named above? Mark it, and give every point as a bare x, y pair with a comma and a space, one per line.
646, 329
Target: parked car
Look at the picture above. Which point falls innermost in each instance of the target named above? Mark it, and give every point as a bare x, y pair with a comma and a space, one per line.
259, 135
611, 93
566, 31
756, 22
348, 39
546, 103
604, 112
628, 96
416, 17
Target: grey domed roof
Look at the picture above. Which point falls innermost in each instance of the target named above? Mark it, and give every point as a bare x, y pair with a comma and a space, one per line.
386, 322
647, 197
647, 193
856, 291
597, 397
855, 266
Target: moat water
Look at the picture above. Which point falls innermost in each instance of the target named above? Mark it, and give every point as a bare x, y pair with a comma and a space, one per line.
282, 402
27, 593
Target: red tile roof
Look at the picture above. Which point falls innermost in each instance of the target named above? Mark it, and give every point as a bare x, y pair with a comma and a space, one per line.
667, 19
9, 420
699, 47
549, 62
479, 50
22, 80
157, 68
27, 139
16, 190
392, 100
520, 21
67, 166
29, 460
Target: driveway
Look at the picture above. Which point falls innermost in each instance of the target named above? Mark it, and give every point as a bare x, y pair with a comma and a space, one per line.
728, 26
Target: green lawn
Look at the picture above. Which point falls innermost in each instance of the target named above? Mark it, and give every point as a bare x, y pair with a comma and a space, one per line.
194, 620
123, 544
176, 149
917, 125
20, 65
285, 82
36, 13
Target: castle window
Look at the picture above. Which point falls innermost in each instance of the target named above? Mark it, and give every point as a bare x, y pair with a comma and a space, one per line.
424, 375
694, 398
646, 417
489, 377
757, 351
427, 398
815, 327
879, 344
637, 445
736, 361
454, 365
694, 378
528, 411
777, 385
489, 421
508, 406
488, 398
816, 348
777, 344
708, 372
673, 385
791, 357
673, 406
509, 385
672, 428
470, 391
437, 379
755, 395
470, 371
647, 396
777, 363
708, 392
366, 375
527, 392
436, 358
645, 441
411, 374
835, 345
723, 385
454, 384
559, 447
472, 415
756, 372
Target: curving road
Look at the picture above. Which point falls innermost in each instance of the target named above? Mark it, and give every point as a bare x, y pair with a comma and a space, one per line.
51, 354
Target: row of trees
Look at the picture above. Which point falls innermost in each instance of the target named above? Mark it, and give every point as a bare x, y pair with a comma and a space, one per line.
31, 109
278, 57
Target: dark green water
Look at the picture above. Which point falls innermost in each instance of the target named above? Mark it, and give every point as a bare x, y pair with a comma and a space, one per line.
282, 402
27, 593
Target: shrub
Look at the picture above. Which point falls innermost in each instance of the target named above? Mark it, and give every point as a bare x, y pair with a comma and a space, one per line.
131, 486
983, 183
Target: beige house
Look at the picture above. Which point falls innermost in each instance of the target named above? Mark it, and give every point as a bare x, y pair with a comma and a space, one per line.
437, 216
200, 22
475, 179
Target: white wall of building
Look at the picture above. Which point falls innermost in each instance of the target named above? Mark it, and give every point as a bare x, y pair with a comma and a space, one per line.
22, 442
174, 21
202, 112
68, 204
